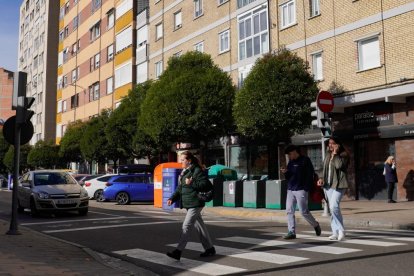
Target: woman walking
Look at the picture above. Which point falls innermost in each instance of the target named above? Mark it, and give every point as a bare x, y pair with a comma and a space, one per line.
192, 181
335, 183
390, 173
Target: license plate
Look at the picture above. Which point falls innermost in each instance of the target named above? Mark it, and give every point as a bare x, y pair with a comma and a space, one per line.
66, 201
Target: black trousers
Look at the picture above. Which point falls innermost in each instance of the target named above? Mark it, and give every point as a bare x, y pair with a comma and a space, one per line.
390, 186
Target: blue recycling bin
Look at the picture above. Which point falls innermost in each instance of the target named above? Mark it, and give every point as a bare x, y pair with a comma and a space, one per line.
169, 184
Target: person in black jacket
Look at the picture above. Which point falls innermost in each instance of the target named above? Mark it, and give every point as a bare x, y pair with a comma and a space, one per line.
300, 176
390, 173
192, 180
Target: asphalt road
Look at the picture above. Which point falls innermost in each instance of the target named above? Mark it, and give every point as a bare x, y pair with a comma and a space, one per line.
141, 235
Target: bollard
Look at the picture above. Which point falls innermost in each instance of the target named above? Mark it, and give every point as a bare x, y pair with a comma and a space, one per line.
326, 212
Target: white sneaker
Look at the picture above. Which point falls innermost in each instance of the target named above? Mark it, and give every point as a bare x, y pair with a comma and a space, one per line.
341, 236
333, 237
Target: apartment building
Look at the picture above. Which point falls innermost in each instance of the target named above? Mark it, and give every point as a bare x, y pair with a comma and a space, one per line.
38, 58
360, 50
6, 94
97, 57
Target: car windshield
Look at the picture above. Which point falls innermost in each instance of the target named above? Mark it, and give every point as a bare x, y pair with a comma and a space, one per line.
52, 178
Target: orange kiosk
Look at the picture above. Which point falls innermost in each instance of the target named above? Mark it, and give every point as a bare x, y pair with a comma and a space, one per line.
158, 181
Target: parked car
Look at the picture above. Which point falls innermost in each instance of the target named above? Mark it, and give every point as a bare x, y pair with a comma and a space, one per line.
95, 186
80, 178
132, 187
49, 190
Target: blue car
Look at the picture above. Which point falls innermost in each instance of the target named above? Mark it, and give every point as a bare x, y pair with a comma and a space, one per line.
132, 187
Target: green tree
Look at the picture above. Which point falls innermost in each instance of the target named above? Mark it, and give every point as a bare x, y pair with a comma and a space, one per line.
191, 101
94, 145
4, 146
274, 102
122, 129
69, 149
9, 158
45, 155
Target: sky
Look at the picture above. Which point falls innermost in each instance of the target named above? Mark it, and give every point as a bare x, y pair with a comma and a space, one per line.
9, 33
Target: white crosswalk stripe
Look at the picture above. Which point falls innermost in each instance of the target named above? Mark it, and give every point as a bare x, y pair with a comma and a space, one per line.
207, 268
291, 245
246, 254
348, 240
354, 234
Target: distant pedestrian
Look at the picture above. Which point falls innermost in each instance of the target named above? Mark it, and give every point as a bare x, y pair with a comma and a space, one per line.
335, 183
390, 173
300, 176
192, 180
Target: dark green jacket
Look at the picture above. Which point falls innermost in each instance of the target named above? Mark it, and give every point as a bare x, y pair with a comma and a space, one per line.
188, 193
339, 167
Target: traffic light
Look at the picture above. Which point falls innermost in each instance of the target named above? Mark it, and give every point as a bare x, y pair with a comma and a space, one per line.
326, 128
317, 115
23, 112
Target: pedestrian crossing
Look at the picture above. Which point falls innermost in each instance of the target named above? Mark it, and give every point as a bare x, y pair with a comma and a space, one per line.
270, 250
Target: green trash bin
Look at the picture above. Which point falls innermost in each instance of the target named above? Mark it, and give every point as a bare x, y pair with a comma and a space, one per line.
276, 192
218, 192
233, 193
254, 194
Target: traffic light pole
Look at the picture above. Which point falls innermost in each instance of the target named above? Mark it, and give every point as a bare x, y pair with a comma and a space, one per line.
13, 230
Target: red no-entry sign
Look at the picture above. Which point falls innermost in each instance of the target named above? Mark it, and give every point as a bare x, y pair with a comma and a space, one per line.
325, 101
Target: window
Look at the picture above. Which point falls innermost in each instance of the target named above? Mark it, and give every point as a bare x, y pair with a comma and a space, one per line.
123, 8
94, 92
74, 48
96, 4
158, 69
97, 60
253, 33
317, 66
158, 31
199, 47
74, 101
124, 39
242, 3
314, 8
222, 2
111, 19
198, 8
142, 35
110, 51
288, 14
75, 22
91, 64
123, 75
177, 20
64, 106
142, 72
95, 31
66, 32
109, 85
368, 53
67, 7
74, 76
59, 106
61, 36
224, 41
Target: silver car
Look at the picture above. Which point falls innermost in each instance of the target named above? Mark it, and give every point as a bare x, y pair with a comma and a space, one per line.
50, 190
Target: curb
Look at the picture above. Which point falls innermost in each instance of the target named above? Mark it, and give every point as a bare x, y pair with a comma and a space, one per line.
106, 260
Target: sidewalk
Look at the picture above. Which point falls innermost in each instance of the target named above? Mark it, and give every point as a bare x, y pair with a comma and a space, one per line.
356, 213
33, 253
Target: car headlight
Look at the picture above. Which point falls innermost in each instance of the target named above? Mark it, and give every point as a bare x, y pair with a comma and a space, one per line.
83, 193
43, 195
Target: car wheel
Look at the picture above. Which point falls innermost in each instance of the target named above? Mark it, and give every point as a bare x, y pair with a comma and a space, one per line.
83, 212
122, 198
20, 208
98, 195
33, 208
